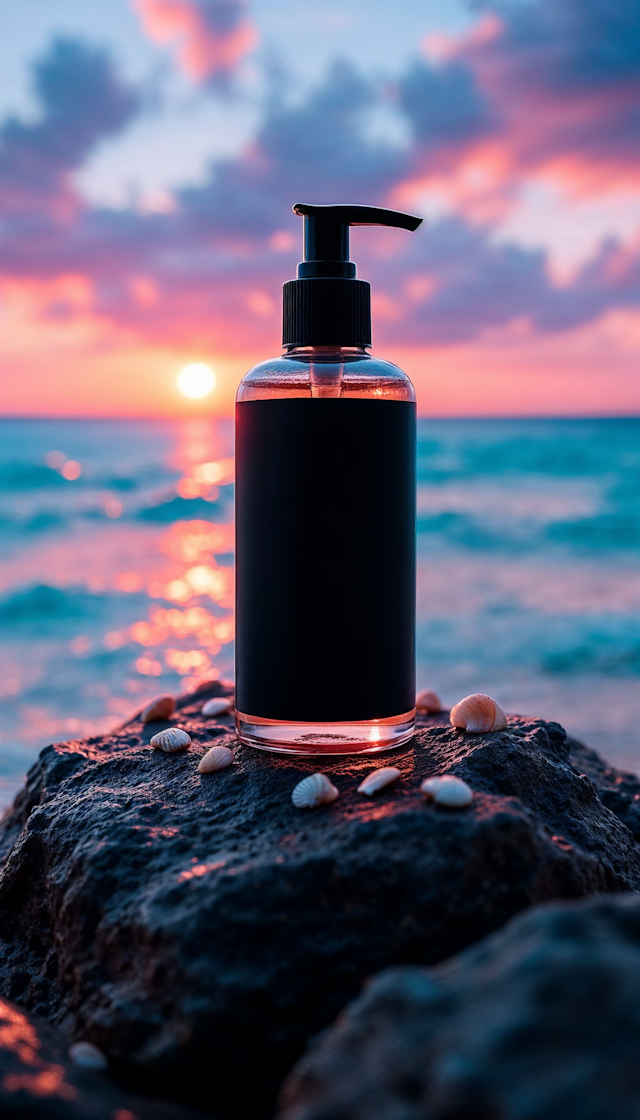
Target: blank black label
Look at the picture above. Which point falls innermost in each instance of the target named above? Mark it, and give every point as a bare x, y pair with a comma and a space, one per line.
325, 555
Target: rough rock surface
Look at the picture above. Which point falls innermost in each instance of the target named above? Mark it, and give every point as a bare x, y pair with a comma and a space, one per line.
199, 929
38, 1082
618, 790
538, 1022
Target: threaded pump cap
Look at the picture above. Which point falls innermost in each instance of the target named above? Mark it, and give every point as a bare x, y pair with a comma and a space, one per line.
327, 305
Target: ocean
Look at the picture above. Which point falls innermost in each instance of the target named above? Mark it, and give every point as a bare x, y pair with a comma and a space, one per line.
116, 572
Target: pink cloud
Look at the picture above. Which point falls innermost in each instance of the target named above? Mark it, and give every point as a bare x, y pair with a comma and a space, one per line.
211, 37
563, 80
82, 102
209, 272
204, 278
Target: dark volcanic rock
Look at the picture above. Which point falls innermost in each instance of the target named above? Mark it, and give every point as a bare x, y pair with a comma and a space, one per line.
618, 790
538, 1022
38, 1082
199, 929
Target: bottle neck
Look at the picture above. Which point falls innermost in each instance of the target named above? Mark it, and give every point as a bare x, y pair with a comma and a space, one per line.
327, 353
326, 365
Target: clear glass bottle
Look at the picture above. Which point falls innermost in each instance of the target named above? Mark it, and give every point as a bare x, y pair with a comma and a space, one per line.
343, 376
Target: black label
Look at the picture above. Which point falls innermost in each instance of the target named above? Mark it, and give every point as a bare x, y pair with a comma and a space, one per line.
325, 559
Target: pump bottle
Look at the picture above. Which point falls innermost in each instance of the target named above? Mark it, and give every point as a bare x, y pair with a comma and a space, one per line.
325, 517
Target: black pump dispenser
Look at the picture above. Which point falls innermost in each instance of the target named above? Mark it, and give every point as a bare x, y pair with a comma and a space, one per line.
326, 517
327, 305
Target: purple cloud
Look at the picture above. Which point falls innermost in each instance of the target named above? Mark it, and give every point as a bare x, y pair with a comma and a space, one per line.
444, 105
210, 271
83, 102
564, 76
569, 45
211, 37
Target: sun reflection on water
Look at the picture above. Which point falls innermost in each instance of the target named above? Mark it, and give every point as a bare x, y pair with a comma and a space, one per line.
187, 637
153, 594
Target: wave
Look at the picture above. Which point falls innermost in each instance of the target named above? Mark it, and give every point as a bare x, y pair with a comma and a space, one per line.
16, 475
614, 531
551, 448
596, 653
509, 637
185, 509
38, 521
43, 601
610, 532
179, 509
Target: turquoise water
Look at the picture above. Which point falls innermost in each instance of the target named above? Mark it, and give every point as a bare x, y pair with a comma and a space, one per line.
116, 576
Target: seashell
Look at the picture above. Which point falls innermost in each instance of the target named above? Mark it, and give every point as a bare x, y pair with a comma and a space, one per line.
218, 758
171, 740
86, 1055
314, 790
160, 708
478, 713
448, 790
378, 779
428, 701
217, 707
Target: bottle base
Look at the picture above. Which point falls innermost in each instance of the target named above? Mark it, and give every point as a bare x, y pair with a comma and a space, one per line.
357, 737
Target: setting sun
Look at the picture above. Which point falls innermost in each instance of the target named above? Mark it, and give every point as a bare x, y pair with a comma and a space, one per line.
196, 381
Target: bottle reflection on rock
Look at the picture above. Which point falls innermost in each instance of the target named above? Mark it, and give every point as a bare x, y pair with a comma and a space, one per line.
325, 517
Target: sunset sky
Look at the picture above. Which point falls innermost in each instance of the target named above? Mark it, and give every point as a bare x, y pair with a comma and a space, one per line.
150, 152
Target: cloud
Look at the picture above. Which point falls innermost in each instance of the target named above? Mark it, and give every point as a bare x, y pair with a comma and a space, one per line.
210, 37
444, 104
82, 102
471, 286
208, 269
317, 150
568, 46
207, 274
564, 77
545, 90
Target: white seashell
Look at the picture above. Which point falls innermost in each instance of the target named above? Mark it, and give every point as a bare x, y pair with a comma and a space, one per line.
218, 758
86, 1055
478, 713
378, 779
428, 701
448, 790
314, 790
217, 707
171, 740
160, 708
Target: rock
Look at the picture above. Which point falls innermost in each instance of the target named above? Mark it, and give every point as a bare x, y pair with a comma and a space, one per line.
617, 789
39, 1082
199, 931
538, 1022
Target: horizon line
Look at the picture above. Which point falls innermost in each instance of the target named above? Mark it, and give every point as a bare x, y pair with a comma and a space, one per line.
230, 416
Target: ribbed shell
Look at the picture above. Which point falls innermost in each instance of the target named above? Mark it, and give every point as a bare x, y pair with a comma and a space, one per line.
448, 791
160, 708
218, 758
378, 779
314, 790
478, 713
217, 707
87, 1056
428, 701
171, 740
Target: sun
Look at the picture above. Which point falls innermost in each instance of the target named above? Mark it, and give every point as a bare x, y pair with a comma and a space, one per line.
196, 381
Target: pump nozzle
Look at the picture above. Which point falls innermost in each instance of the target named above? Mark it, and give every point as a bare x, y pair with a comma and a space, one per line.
326, 233
326, 304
